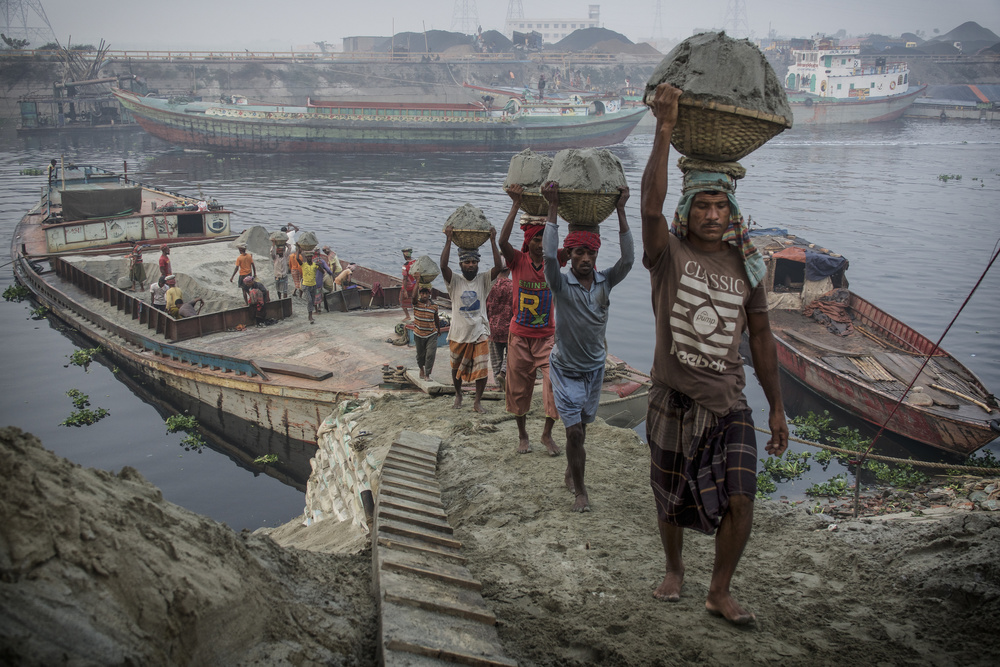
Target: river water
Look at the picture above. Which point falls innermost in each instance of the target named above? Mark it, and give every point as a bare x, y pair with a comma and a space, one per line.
917, 244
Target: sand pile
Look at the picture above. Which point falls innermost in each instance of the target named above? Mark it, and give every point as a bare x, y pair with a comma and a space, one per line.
98, 569
469, 217
256, 240
529, 169
711, 67
588, 169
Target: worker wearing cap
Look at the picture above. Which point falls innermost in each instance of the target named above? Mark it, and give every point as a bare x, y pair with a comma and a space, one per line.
245, 267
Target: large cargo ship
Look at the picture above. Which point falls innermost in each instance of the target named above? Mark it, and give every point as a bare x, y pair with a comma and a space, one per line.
383, 127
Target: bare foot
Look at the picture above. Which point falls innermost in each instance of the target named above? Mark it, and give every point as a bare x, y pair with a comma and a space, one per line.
476, 407
523, 446
582, 503
727, 607
458, 402
569, 481
670, 588
551, 445
422, 376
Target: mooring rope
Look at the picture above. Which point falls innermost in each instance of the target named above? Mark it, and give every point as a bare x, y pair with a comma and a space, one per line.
988, 472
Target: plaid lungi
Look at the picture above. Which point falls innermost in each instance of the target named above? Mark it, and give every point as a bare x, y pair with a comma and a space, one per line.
470, 361
698, 460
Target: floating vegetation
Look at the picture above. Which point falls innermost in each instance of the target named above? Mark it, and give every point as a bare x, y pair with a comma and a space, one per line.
16, 292
983, 459
949, 177
902, 475
786, 468
84, 357
189, 424
80, 399
267, 458
811, 426
765, 486
39, 313
83, 416
836, 486
193, 442
181, 423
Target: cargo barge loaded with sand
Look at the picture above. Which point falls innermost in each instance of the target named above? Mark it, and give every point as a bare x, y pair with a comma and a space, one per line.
382, 127
281, 380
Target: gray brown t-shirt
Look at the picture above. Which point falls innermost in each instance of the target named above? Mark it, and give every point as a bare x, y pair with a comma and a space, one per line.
700, 302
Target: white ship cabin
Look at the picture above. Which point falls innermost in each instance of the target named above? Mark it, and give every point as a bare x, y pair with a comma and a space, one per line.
840, 74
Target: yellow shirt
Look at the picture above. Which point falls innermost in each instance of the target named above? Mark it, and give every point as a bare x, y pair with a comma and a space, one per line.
172, 295
309, 274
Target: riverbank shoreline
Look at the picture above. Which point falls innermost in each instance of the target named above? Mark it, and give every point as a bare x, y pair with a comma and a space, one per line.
97, 566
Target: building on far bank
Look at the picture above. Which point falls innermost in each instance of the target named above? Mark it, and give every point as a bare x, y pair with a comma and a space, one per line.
553, 29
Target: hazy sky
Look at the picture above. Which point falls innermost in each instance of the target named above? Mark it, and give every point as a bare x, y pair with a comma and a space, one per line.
226, 24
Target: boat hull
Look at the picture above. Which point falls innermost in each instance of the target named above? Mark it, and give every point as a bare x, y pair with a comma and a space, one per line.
347, 135
952, 432
824, 112
954, 436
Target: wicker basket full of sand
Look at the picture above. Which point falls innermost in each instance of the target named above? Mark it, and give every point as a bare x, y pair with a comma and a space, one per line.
279, 238
733, 102
588, 184
529, 170
427, 269
307, 241
470, 228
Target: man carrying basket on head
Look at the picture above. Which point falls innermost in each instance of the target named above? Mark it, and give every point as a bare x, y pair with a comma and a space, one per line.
583, 298
705, 275
532, 329
468, 337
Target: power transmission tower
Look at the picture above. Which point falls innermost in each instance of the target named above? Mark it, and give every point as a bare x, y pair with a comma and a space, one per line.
22, 19
515, 10
735, 23
465, 17
657, 24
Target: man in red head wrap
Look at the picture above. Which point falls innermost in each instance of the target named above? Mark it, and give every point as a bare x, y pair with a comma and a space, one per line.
532, 330
583, 296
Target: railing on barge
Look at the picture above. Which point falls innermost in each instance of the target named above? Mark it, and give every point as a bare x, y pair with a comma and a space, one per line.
207, 360
172, 329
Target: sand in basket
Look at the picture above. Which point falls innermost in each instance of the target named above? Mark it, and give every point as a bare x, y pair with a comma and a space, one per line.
530, 170
733, 101
470, 228
307, 241
588, 184
279, 239
427, 269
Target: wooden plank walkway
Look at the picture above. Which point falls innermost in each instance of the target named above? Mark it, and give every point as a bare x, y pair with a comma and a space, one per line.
431, 611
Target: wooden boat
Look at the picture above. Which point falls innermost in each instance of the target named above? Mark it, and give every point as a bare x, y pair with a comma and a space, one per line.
280, 380
371, 127
828, 85
868, 370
